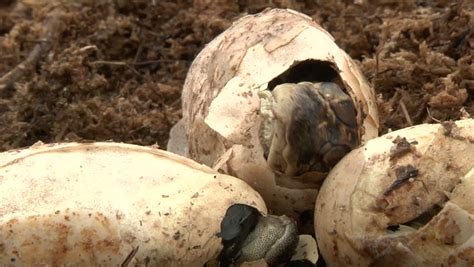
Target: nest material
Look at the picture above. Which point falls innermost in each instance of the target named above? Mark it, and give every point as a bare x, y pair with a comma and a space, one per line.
113, 70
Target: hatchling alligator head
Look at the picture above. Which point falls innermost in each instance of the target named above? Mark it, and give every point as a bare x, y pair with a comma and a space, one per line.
307, 128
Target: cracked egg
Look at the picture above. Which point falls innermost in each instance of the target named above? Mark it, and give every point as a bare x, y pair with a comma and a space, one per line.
274, 101
403, 199
112, 204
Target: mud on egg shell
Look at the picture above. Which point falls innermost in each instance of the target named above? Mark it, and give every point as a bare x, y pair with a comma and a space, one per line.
404, 197
109, 204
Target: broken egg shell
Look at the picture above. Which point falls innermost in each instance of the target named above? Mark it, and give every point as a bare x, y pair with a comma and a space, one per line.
369, 212
307, 249
95, 204
222, 118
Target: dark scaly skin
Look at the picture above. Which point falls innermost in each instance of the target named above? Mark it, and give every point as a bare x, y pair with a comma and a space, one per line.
236, 225
315, 125
248, 236
273, 239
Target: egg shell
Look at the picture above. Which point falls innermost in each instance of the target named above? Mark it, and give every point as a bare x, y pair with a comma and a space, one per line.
222, 108
396, 202
95, 204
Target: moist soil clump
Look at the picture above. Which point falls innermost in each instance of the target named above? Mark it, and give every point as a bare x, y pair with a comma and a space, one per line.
112, 70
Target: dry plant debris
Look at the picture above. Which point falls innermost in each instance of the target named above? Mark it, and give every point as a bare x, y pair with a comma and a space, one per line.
113, 69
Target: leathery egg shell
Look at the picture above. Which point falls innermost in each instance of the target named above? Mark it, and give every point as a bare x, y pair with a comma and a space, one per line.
109, 204
403, 199
247, 107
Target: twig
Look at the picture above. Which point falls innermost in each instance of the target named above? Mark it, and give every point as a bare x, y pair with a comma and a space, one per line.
378, 50
431, 117
105, 62
158, 61
117, 63
138, 53
405, 112
130, 256
374, 82
51, 26
88, 47
123, 63
135, 59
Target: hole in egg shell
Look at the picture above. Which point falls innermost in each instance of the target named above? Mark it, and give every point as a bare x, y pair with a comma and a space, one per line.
417, 222
308, 71
309, 123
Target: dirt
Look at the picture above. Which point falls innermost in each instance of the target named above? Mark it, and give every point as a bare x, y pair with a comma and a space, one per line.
113, 69
401, 147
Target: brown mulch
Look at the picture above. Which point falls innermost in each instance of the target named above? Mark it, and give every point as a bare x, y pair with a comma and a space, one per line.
113, 69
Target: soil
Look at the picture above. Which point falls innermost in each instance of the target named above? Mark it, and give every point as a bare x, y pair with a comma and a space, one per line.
113, 69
